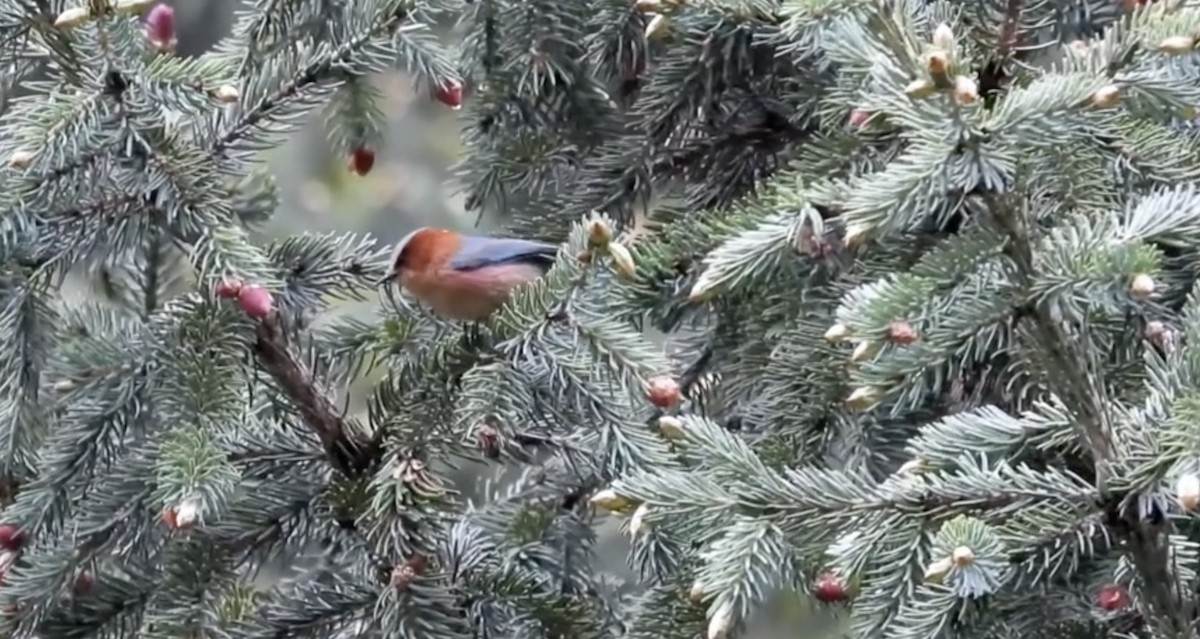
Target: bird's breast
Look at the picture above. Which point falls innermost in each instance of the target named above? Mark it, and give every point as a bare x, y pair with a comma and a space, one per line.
468, 295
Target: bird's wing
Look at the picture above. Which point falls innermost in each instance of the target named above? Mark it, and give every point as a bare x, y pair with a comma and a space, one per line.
478, 252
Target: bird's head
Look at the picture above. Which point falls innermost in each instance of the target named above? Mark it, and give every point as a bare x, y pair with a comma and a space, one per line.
419, 250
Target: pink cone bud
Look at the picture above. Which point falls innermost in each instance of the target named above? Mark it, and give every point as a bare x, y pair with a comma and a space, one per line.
228, 289
256, 301
859, 117
160, 27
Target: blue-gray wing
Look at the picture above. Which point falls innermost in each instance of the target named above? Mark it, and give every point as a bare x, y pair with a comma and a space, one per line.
478, 252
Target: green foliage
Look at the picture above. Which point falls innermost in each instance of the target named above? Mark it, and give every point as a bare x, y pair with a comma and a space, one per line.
1012, 394
938, 365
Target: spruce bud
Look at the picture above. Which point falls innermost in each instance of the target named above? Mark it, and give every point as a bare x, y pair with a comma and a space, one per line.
937, 63
84, 582
227, 94
864, 350
187, 513
255, 301
943, 37
918, 89
1187, 491
1158, 334
901, 333
696, 592
863, 398
20, 159
73, 17
938, 569
599, 233
160, 27
133, 6
855, 234
402, 577
622, 260
1106, 96
12, 538
1112, 597
663, 391
637, 521
1142, 286
859, 117
449, 93
649, 6
657, 27
609, 500
361, 160
837, 333
487, 441
702, 289
829, 588
228, 288
1177, 45
963, 556
965, 90
183, 515
721, 622
670, 427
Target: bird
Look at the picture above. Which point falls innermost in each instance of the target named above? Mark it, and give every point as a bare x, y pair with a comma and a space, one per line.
465, 277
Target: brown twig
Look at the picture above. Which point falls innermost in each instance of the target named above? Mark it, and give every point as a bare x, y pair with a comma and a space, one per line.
993, 76
347, 447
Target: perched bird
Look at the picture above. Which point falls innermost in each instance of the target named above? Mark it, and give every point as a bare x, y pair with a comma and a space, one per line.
465, 277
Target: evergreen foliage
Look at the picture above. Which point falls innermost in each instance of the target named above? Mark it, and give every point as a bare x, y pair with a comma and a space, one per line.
924, 270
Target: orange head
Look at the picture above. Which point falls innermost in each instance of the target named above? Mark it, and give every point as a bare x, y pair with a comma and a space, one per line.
423, 249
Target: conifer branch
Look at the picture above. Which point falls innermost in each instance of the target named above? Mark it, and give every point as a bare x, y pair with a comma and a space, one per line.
1147, 546
319, 70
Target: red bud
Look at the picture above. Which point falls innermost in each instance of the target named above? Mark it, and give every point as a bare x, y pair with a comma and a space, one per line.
663, 391
829, 588
84, 581
449, 93
1112, 597
361, 160
160, 27
256, 301
11, 537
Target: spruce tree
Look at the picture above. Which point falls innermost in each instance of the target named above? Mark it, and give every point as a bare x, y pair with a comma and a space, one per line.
881, 310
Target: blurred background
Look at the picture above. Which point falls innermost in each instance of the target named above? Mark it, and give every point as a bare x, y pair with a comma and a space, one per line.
410, 185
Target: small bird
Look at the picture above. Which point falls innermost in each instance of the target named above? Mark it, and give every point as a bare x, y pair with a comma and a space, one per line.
462, 276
